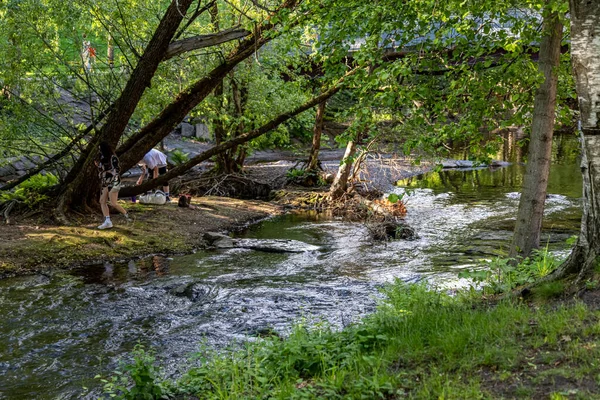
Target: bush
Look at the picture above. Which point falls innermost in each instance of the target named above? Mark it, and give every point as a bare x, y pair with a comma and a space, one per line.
503, 274
32, 191
178, 157
137, 381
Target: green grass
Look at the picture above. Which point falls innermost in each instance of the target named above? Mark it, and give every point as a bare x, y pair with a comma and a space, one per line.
420, 344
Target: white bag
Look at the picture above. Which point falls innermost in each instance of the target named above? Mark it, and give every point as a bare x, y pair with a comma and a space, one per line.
157, 197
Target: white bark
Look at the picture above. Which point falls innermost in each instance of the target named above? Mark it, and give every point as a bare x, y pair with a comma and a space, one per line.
340, 183
585, 53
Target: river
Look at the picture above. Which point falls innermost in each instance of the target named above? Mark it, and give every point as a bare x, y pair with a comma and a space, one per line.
58, 331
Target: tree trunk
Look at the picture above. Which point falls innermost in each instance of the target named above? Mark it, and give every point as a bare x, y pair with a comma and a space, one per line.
313, 158
219, 127
340, 183
82, 182
535, 183
585, 48
237, 155
110, 52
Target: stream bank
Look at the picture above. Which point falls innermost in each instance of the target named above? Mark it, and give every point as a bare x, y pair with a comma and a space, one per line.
32, 246
29, 247
63, 329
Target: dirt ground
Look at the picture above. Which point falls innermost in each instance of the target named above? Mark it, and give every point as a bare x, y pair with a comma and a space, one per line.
28, 246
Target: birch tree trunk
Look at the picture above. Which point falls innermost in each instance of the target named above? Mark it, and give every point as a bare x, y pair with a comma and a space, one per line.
585, 54
533, 194
340, 183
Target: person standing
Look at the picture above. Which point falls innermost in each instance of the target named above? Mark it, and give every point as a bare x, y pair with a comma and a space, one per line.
155, 164
110, 177
88, 54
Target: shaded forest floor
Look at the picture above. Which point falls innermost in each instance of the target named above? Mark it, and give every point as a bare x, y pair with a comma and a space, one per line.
30, 246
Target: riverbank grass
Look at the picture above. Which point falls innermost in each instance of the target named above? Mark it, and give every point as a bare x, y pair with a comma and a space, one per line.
420, 344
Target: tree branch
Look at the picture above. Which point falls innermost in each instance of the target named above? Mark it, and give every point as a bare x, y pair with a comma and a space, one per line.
64, 152
269, 126
194, 16
203, 41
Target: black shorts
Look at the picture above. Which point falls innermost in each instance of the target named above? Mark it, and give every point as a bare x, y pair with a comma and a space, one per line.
161, 171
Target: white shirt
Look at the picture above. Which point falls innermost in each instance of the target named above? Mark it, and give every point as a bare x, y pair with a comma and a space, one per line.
154, 158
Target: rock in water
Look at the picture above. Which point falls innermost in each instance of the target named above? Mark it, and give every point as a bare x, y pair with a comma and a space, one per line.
225, 243
218, 240
183, 290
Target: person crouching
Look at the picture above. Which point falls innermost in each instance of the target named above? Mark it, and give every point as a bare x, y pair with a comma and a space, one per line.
155, 164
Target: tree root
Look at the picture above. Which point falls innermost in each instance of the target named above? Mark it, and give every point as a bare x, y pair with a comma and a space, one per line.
7, 207
570, 270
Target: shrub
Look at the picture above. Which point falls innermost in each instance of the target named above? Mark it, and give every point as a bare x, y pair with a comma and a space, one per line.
178, 157
503, 274
32, 191
139, 380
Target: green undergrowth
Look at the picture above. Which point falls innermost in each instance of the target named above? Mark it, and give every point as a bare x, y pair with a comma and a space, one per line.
420, 343
32, 191
501, 275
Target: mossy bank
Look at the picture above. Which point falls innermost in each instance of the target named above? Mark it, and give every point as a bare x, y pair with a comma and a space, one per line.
27, 246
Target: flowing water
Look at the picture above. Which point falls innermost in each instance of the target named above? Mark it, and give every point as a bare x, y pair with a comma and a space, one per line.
57, 332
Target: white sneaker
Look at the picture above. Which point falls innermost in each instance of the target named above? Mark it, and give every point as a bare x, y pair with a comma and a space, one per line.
106, 225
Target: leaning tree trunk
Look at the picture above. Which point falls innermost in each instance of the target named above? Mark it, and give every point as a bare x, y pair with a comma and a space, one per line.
585, 50
533, 195
82, 182
340, 183
313, 158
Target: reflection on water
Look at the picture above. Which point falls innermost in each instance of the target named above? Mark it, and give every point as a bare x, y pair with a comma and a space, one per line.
59, 331
512, 146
